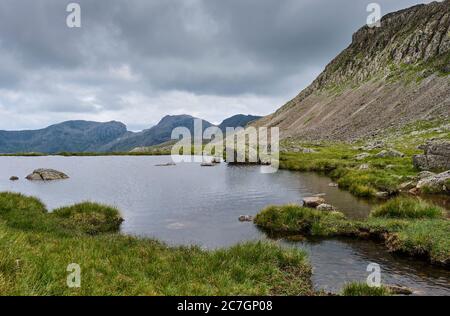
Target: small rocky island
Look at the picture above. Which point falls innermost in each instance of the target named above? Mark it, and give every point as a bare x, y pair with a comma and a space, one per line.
46, 175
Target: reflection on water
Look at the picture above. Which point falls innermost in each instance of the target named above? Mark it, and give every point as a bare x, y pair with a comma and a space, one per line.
187, 204
180, 204
337, 261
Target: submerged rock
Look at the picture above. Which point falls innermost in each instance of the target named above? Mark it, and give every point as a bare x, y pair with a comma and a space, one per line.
313, 201
382, 195
46, 175
399, 290
246, 218
436, 156
169, 164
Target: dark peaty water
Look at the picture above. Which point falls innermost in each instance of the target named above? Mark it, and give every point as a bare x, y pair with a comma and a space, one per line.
187, 204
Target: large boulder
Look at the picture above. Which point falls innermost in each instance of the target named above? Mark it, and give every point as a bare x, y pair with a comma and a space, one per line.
436, 156
46, 175
438, 184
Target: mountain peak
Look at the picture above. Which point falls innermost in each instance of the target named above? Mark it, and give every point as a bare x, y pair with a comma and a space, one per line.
239, 120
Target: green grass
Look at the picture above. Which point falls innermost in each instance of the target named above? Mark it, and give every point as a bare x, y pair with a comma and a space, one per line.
338, 160
419, 232
361, 289
91, 218
35, 254
294, 219
408, 208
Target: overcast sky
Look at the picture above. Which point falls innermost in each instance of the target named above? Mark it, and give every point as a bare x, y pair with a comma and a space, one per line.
136, 61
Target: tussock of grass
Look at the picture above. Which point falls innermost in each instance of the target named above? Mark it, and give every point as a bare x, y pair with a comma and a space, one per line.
36, 247
361, 289
29, 213
91, 218
408, 208
294, 219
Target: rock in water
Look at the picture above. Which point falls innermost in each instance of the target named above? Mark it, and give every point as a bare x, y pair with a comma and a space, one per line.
436, 156
169, 164
399, 290
245, 218
313, 201
46, 175
14, 178
382, 195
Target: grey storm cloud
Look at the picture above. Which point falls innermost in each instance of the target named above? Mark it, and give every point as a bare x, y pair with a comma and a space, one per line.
138, 60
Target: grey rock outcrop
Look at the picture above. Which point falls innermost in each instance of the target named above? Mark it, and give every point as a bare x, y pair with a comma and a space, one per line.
326, 208
438, 184
436, 156
46, 175
390, 153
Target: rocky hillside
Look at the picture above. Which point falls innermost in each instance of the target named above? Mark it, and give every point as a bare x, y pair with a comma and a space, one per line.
388, 77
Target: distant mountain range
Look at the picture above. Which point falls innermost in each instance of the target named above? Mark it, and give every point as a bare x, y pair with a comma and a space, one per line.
85, 136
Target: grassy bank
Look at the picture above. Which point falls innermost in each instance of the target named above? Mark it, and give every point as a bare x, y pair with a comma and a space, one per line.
37, 247
407, 226
365, 175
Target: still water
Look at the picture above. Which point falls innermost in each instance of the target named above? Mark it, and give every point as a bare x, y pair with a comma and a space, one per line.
188, 204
